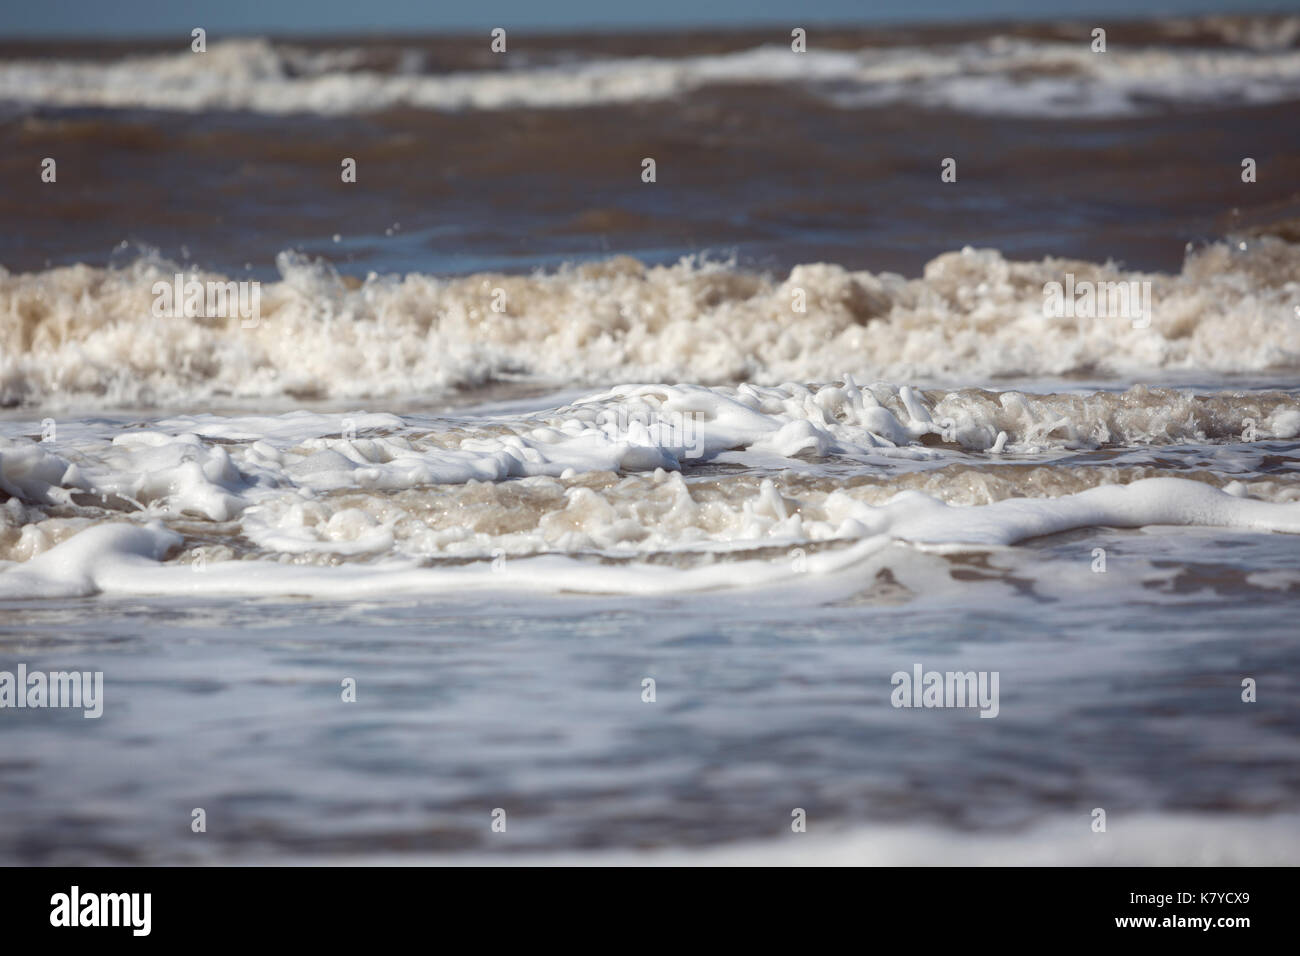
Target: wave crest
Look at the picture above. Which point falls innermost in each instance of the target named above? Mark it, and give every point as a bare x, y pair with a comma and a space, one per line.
72, 334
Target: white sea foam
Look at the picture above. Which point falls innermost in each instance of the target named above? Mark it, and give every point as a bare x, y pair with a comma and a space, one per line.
122, 557
371, 503
1000, 75
73, 335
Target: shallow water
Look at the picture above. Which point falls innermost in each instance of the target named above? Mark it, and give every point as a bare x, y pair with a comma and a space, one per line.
1118, 690
508, 687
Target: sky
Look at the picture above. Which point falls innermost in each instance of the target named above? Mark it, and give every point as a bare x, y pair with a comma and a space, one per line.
89, 18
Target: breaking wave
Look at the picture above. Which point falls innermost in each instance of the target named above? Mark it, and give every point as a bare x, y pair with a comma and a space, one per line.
76, 334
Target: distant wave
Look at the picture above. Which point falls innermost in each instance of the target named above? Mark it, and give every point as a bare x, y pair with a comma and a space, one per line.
999, 75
